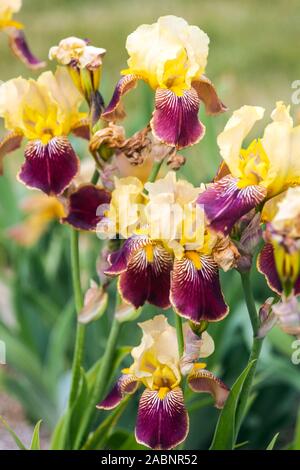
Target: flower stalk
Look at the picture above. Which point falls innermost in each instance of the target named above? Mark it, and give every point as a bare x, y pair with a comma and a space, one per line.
256, 346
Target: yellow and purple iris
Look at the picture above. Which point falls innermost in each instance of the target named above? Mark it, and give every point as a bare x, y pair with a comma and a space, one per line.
168, 257
43, 111
279, 259
170, 56
162, 421
248, 177
14, 30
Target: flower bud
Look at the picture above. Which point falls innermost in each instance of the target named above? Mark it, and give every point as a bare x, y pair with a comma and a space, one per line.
95, 303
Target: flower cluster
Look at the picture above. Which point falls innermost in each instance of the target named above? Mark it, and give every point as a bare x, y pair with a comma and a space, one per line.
165, 240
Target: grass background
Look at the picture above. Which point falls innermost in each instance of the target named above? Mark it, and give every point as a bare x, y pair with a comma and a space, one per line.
254, 58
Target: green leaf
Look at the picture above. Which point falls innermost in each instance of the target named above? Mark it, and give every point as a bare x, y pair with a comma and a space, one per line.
99, 437
35, 441
273, 442
120, 354
13, 434
225, 432
58, 343
57, 439
296, 444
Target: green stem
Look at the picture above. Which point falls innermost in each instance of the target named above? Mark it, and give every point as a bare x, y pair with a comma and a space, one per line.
95, 177
255, 350
98, 438
80, 332
154, 171
179, 332
101, 382
75, 267
246, 283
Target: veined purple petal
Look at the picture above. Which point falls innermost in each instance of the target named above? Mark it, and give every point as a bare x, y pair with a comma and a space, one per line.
142, 278
196, 292
8, 144
162, 423
118, 259
201, 380
50, 167
224, 202
20, 48
127, 384
266, 265
114, 110
207, 93
84, 204
175, 119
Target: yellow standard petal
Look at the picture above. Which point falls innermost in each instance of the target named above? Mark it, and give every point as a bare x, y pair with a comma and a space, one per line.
43, 108
156, 359
168, 54
7, 10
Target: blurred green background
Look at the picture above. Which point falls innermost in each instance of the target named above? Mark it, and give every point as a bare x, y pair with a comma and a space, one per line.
254, 58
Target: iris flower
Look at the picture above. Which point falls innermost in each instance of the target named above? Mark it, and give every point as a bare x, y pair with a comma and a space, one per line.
170, 56
168, 257
14, 30
44, 112
279, 260
84, 63
248, 177
162, 421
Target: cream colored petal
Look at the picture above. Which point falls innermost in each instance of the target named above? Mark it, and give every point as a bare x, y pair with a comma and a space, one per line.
92, 56
271, 207
276, 143
282, 144
164, 185
62, 89
231, 139
281, 113
160, 341
11, 95
207, 345
8, 7
168, 54
288, 212
294, 169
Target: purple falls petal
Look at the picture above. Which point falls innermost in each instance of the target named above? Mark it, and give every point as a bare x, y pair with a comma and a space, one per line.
142, 280
20, 48
50, 167
127, 384
266, 265
196, 293
118, 259
201, 380
162, 423
84, 204
8, 144
224, 202
114, 110
175, 119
